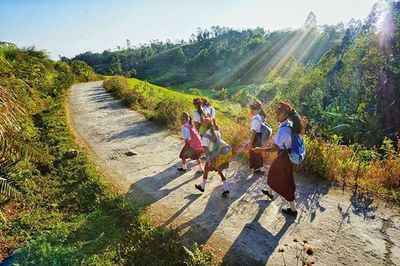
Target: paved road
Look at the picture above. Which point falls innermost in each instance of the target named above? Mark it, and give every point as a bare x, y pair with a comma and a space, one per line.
244, 228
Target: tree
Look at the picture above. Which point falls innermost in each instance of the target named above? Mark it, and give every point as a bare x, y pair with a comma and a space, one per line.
311, 21
115, 67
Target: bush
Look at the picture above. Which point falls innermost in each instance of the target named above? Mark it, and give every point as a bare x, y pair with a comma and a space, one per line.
194, 91
326, 158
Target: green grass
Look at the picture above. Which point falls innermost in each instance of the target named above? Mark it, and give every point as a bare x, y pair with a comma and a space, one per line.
379, 176
70, 216
164, 107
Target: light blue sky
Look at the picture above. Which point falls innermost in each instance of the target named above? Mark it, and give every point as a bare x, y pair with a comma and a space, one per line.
70, 27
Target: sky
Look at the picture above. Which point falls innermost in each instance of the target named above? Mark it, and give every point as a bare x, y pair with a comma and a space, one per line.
70, 27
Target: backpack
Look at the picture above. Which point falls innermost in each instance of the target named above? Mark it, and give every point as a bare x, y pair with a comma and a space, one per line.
195, 140
221, 153
202, 129
266, 131
298, 151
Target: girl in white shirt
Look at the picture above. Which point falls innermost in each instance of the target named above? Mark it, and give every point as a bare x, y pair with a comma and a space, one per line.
256, 159
207, 142
280, 174
187, 151
199, 115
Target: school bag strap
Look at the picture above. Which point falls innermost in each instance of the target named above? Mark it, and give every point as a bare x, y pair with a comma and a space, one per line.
297, 152
266, 131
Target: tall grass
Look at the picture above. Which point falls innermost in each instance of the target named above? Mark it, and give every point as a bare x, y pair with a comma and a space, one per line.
164, 107
376, 171
65, 214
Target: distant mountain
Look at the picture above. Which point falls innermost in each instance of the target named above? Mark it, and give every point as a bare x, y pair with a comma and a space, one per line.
219, 57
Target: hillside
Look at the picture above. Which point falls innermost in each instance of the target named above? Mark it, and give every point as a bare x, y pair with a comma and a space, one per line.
221, 56
342, 78
55, 207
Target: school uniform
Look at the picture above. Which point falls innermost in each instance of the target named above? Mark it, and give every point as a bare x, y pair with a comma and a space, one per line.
280, 174
206, 142
256, 159
187, 152
209, 110
196, 118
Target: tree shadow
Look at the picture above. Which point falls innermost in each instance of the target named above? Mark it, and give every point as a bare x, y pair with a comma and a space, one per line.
256, 240
138, 129
361, 204
309, 196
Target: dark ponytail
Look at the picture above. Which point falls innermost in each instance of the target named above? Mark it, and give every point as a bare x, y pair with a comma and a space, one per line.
263, 113
298, 126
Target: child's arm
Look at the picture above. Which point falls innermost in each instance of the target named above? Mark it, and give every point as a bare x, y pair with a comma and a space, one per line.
272, 148
206, 153
253, 135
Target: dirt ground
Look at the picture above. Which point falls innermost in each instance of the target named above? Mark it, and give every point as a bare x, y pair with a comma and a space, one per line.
245, 228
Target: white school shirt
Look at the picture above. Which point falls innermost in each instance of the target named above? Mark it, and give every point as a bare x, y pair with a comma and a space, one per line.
256, 123
205, 142
185, 133
209, 110
196, 117
283, 138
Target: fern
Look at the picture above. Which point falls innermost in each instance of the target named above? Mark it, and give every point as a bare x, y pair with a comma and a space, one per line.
6, 190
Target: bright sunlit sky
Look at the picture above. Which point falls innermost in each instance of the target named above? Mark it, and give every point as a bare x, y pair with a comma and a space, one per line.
74, 26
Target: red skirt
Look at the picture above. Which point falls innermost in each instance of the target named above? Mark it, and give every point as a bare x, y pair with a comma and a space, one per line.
280, 176
256, 159
209, 168
188, 153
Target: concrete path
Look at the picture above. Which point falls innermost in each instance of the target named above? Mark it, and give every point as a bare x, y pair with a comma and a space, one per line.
245, 228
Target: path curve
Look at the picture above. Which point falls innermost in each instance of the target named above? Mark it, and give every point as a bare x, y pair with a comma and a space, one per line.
245, 228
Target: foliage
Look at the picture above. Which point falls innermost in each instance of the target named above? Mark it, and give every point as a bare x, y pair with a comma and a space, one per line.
344, 78
327, 158
217, 57
66, 214
164, 106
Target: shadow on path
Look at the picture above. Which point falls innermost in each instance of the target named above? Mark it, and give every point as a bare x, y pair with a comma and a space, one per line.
254, 232
203, 226
149, 189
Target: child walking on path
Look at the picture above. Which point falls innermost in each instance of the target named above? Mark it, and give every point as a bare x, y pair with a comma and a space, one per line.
207, 142
210, 110
280, 174
256, 159
192, 149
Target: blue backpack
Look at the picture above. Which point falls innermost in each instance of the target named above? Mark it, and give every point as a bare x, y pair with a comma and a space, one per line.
266, 132
298, 151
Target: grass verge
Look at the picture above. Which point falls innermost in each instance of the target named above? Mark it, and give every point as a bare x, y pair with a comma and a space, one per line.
375, 171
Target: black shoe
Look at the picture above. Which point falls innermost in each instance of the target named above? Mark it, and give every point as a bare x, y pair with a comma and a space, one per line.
199, 188
258, 171
266, 192
225, 193
181, 169
290, 212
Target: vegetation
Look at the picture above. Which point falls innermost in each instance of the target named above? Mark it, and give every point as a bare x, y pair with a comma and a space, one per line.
352, 165
216, 57
343, 78
65, 214
164, 106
